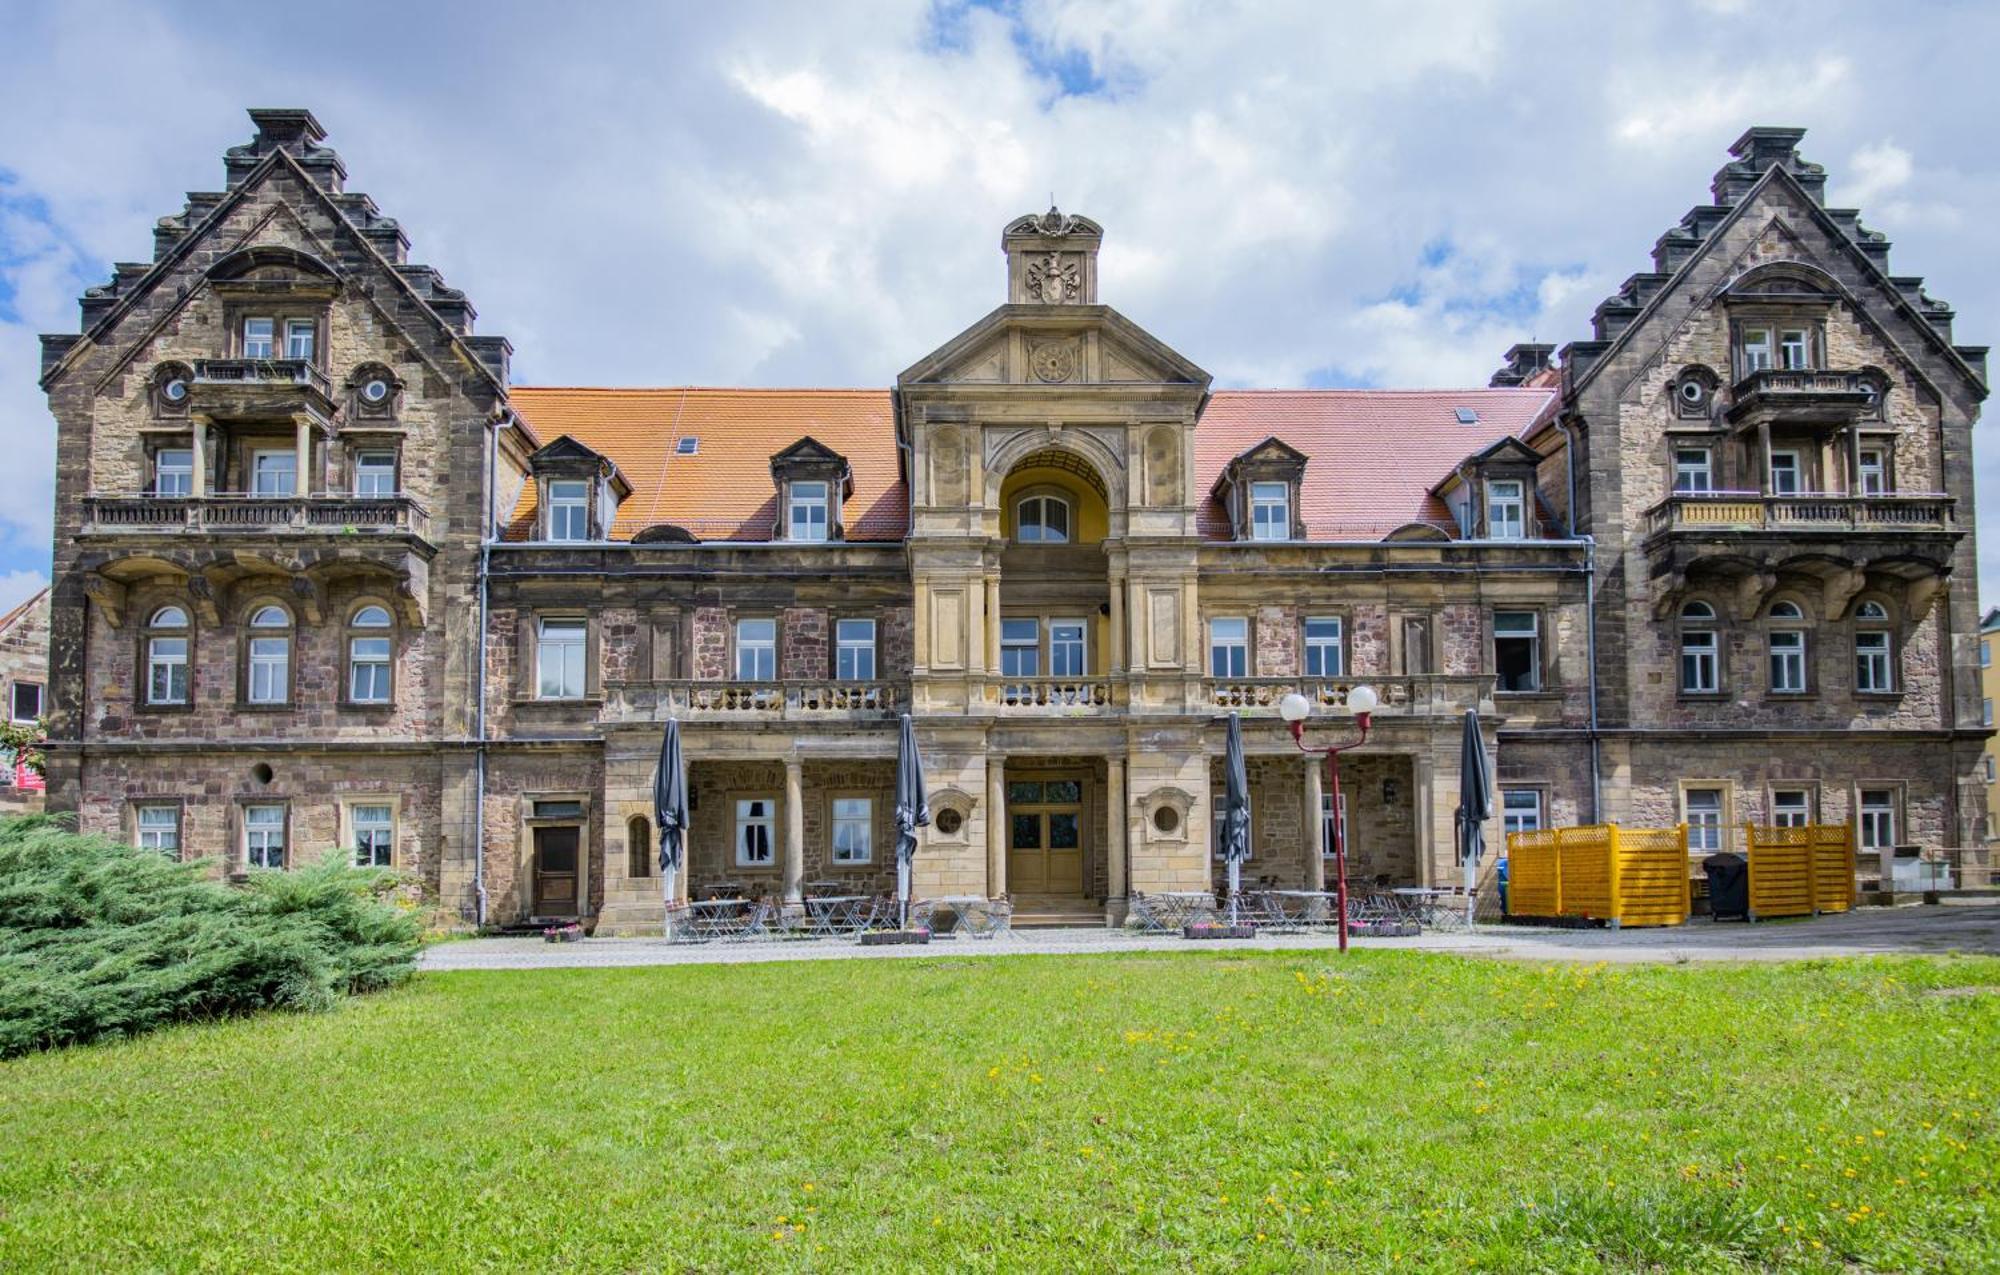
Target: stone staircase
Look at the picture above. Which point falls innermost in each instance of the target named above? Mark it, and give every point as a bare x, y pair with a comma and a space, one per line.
1032, 912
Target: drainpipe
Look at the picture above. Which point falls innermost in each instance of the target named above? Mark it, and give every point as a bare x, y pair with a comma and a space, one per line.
1589, 619
479, 755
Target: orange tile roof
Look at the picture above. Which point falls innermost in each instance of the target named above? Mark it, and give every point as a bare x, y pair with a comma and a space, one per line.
1375, 453
723, 491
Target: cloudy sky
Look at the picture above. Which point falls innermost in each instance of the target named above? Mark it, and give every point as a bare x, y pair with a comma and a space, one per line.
811, 193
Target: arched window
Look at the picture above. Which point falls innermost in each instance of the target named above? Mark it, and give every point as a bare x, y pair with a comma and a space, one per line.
1874, 650
167, 656
1700, 650
639, 846
1042, 520
1787, 642
268, 662
369, 644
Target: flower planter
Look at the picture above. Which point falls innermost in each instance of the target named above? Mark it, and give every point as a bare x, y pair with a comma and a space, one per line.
894, 938
563, 934
1218, 931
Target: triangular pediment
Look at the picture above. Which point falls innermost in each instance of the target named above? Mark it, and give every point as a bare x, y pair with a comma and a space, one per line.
808, 449
1507, 451
1053, 347
564, 449
1273, 450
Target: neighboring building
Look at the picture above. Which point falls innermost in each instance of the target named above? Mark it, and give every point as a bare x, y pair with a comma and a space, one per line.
1989, 695
24, 680
324, 578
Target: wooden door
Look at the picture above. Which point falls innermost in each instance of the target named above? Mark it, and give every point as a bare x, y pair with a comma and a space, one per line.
1045, 836
556, 872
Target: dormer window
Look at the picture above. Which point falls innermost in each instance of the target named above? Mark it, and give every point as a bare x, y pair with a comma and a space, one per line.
1042, 520
808, 517
258, 335
1270, 511
1506, 510
569, 509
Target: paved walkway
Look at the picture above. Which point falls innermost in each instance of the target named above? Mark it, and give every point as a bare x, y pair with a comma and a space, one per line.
1966, 928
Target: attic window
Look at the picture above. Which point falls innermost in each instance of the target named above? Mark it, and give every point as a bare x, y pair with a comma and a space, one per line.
1467, 416
687, 446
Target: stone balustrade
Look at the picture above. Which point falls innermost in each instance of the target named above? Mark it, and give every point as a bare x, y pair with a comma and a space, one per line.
234, 512
753, 701
1052, 695
1413, 695
1704, 512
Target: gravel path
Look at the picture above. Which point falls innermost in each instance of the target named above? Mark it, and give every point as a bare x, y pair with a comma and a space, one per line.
1965, 928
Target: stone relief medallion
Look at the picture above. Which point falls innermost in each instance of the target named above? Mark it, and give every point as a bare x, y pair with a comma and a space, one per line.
1054, 362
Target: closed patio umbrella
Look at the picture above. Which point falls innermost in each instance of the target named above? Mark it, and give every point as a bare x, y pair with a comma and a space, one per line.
1235, 809
1475, 802
670, 808
913, 811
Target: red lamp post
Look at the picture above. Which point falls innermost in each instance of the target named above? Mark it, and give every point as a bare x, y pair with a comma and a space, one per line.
1295, 708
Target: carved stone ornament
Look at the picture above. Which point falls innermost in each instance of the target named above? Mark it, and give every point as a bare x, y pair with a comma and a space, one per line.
1053, 280
1054, 362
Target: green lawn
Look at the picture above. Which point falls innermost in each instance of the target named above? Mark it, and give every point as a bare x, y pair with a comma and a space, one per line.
1167, 1111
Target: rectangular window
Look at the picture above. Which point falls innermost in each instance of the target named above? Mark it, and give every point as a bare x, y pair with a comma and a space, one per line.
1986, 653
1785, 474
1517, 650
808, 516
854, 650
274, 472
1325, 654
1693, 470
257, 337
1756, 349
853, 830
1270, 511
569, 510
559, 658
1229, 647
1702, 810
173, 471
1506, 510
1020, 648
757, 650
1871, 663
299, 339
166, 670
374, 832
26, 704
1520, 809
754, 821
1788, 662
368, 670
264, 836
1985, 708
1790, 807
159, 828
1878, 818
1992, 771
1066, 648
1699, 664
1328, 828
1874, 471
270, 669
375, 474
1794, 349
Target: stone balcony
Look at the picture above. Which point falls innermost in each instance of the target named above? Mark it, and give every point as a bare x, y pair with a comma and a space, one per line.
247, 389
783, 701
1800, 395
1412, 695
1052, 696
241, 514
1724, 512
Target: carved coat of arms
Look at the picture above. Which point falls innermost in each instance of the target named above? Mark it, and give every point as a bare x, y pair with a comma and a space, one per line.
1053, 281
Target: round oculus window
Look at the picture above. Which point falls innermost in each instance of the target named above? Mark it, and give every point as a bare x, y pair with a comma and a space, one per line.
1693, 391
948, 822
1167, 820
375, 391
175, 390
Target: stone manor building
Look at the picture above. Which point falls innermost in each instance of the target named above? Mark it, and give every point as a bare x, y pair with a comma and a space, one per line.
325, 578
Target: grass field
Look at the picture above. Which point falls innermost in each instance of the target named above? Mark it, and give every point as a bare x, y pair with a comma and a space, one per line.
1145, 1110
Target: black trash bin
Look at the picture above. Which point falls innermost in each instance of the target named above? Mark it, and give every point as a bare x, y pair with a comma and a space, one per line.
1728, 886
1500, 876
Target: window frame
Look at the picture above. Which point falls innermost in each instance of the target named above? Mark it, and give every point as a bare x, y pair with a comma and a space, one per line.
258, 455
140, 831
251, 830
291, 328
1043, 501
798, 502
356, 633
752, 647
1698, 644
1880, 636
1265, 528
1748, 345
184, 474
361, 468
1327, 822
1080, 645
1240, 646
768, 822
543, 644
1872, 478
834, 822
1510, 819
1720, 828
1309, 647
350, 813
560, 506
1537, 673
1682, 469
269, 339
1790, 816
1021, 640
253, 660
1784, 347
1790, 630
843, 645
1515, 527
1797, 469
14, 700
1866, 822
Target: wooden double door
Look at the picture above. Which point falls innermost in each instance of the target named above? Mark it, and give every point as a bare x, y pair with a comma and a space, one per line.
1045, 835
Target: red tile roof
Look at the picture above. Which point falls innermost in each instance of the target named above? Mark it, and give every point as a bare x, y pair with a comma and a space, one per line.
1375, 454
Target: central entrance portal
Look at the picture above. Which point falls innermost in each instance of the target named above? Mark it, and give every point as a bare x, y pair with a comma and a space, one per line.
1045, 822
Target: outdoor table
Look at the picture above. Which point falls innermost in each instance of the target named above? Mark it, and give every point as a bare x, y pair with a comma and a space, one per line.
1426, 905
828, 915
960, 907
1174, 909
719, 919
724, 890
1300, 909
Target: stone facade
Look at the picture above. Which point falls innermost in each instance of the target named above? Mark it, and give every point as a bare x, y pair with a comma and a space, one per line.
1057, 568
24, 683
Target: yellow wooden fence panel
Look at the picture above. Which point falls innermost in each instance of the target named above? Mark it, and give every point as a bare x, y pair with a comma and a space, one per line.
1800, 871
1628, 876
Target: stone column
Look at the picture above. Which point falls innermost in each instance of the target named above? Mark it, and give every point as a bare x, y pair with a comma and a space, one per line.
921, 638
1117, 828
1117, 659
996, 825
1764, 457
198, 484
980, 618
1854, 458
1424, 781
303, 485
993, 623
1315, 827
795, 833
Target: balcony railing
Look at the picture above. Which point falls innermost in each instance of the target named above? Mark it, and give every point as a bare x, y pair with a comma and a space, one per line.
262, 373
1412, 695
753, 701
1777, 392
1057, 695
236, 512
1753, 511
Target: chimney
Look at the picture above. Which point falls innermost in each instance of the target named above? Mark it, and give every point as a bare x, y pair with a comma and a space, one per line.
1524, 362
